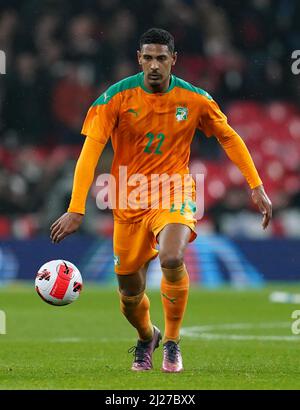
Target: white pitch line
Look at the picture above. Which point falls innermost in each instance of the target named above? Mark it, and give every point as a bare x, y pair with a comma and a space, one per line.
230, 326
214, 336
203, 332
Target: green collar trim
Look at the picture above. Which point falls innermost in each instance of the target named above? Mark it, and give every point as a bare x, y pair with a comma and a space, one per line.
142, 84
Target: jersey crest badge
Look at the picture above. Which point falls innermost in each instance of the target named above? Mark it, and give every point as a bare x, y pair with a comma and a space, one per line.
181, 113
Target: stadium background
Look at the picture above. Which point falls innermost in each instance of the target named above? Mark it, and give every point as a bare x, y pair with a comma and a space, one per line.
61, 55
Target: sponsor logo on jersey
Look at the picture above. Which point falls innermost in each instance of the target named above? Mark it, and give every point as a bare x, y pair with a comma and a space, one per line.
134, 112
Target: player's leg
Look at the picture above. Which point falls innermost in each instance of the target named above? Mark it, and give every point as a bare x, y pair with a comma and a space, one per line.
133, 251
134, 302
135, 306
173, 240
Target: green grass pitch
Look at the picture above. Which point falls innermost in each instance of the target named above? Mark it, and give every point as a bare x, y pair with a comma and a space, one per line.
233, 340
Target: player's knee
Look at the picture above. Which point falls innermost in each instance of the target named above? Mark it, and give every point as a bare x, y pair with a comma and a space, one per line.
171, 260
131, 301
132, 284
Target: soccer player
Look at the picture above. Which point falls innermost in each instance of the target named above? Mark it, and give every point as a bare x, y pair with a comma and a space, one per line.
151, 118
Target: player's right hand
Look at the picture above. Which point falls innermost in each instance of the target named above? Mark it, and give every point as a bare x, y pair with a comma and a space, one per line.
64, 226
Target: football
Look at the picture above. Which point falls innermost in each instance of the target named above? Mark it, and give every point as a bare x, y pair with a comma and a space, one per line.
58, 282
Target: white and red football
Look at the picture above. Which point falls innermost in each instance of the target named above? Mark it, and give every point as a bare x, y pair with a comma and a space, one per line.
58, 282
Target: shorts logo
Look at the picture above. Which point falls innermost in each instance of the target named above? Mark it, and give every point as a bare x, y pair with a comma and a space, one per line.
181, 113
116, 260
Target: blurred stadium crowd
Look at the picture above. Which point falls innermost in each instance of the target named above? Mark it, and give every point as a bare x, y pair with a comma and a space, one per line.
61, 55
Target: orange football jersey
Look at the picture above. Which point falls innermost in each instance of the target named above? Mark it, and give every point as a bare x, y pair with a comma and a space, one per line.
151, 133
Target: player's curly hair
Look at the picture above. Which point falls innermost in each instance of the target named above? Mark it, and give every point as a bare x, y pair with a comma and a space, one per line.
158, 36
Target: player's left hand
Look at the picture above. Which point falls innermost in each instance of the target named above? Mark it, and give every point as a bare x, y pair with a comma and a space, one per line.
261, 199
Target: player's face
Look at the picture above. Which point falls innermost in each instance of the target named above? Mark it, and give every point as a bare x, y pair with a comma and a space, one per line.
156, 61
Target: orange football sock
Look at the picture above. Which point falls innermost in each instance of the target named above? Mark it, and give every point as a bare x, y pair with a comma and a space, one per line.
136, 311
174, 296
